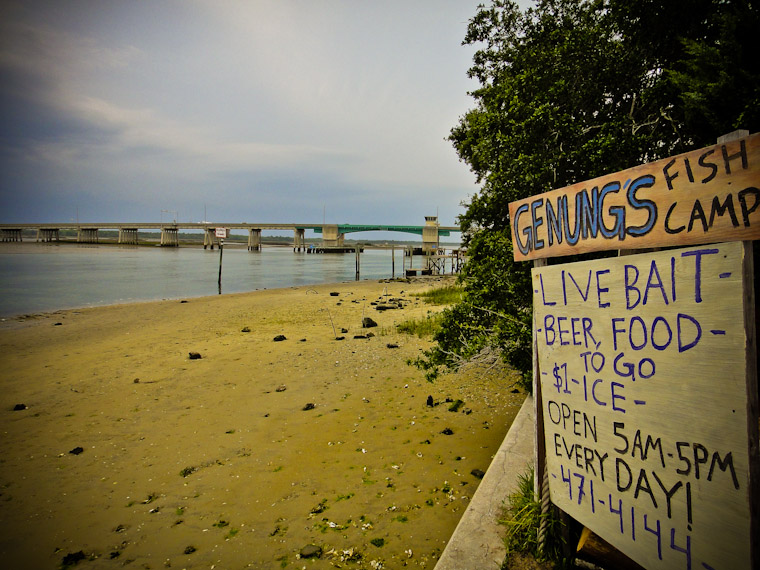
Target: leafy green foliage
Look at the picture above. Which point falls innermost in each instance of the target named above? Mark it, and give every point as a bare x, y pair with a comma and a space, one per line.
568, 91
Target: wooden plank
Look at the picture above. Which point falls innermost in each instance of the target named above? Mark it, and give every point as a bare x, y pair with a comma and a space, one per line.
704, 196
593, 548
751, 321
539, 449
646, 369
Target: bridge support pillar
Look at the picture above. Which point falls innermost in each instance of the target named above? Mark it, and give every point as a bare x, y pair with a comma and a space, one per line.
210, 239
430, 239
128, 236
299, 241
169, 237
87, 235
48, 234
10, 234
254, 239
331, 237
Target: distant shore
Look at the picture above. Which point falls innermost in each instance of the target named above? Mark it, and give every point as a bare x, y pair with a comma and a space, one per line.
126, 450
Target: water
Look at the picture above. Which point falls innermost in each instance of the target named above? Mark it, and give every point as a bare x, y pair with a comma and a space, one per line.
36, 277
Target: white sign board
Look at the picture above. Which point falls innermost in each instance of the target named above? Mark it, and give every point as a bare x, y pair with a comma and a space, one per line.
643, 369
221, 232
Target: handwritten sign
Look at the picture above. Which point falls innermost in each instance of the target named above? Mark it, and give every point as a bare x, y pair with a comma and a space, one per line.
705, 196
643, 371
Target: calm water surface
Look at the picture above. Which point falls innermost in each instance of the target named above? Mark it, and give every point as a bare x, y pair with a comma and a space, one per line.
36, 277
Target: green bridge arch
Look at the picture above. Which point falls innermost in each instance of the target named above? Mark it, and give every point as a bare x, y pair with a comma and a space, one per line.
353, 228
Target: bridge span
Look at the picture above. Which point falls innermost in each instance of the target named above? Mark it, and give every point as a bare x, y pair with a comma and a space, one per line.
333, 235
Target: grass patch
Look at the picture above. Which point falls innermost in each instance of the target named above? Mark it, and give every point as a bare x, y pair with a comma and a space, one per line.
446, 295
523, 518
423, 328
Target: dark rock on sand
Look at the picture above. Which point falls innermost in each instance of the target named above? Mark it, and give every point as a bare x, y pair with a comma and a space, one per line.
308, 407
391, 345
368, 323
430, 402
76, 451
73, 558
195, 356
448, 431
311, 551
19, 407
281, 388
477, 473
245, 329
279, 338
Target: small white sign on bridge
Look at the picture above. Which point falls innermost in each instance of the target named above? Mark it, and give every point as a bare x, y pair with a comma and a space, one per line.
222, 233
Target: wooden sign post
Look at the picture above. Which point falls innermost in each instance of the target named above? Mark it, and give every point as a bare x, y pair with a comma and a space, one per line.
221, 233
646, 365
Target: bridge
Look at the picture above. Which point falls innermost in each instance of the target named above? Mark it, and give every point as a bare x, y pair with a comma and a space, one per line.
333, 235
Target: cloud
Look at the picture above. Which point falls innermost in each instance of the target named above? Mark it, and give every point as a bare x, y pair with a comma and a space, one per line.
148, 103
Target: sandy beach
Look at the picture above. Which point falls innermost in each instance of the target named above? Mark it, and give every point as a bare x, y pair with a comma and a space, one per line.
128, 453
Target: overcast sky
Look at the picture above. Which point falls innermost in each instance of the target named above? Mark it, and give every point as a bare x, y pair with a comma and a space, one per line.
250, 111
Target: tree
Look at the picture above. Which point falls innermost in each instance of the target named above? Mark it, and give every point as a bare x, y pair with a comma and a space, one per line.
571, 90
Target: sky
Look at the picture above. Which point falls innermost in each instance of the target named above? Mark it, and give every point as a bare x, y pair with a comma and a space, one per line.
240, 111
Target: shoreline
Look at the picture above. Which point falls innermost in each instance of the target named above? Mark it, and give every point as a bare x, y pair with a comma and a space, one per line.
22, 317
221, 460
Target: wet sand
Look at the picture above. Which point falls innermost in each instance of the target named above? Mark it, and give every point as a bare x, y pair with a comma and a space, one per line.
214, 462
